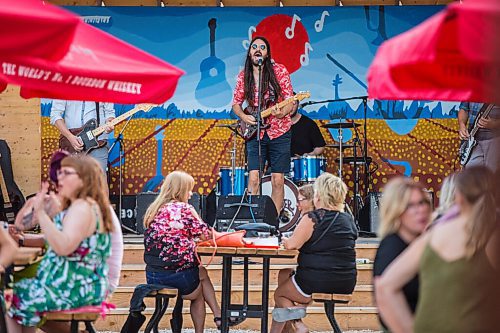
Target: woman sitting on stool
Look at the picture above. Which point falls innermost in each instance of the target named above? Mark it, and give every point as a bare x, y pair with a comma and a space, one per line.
325, 239
172, 227
73, 272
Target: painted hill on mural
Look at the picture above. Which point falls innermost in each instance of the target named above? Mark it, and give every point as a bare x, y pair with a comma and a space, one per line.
375, 109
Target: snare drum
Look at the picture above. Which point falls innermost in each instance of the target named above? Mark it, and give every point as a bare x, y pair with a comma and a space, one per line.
307, 168
290, 200
240, 181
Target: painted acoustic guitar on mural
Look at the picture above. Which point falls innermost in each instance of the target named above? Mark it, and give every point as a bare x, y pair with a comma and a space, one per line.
466, 146
213, 90
89, 132
249, 131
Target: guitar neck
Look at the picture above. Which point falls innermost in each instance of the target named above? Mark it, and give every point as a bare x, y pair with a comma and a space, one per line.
481, 115
266, 113
99, 130
3, 186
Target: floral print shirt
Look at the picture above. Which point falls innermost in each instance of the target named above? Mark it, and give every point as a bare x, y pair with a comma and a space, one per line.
277, 126
170, 239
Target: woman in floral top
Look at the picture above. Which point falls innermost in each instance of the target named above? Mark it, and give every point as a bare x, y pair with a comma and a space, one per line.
172, 228
73, 272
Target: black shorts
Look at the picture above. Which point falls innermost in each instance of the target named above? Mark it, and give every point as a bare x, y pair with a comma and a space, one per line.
276, 152
324, 282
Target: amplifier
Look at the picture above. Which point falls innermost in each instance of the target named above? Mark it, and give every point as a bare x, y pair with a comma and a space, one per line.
127, 213
245, 209
145, 199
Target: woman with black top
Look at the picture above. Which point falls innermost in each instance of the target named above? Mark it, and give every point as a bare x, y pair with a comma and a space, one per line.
405, 211
325, 239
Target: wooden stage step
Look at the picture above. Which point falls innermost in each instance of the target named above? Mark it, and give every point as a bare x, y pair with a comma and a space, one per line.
359, 314
134, 274
362, 296
134, 253
349, 318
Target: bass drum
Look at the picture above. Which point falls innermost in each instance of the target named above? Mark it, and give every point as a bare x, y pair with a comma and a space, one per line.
290, 202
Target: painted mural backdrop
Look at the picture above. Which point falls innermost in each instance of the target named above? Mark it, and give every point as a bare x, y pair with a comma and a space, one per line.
327, 51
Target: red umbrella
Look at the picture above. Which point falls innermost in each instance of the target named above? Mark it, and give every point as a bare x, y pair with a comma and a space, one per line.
97, 67
452, 56
31, 28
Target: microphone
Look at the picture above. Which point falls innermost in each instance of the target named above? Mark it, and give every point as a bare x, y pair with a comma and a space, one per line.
259, 61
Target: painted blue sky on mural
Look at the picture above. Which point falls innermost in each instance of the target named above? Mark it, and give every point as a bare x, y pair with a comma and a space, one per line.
341, 43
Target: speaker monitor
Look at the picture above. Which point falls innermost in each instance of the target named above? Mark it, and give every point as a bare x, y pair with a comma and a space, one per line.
127, 213
145, 199
245, 209
369, 214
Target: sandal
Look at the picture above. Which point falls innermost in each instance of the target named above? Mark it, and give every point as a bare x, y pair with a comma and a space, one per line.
284, 314
233, 321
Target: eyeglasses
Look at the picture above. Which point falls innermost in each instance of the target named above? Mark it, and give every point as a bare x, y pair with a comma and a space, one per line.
64, 173
262, 46
422, 202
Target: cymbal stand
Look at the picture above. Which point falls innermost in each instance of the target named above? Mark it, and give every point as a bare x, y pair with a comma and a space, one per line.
340, 151
233, 162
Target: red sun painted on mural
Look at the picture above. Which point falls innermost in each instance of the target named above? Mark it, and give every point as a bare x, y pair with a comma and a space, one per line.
288, 39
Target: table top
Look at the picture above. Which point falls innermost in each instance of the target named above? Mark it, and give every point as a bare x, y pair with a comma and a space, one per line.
27, 255
245, 251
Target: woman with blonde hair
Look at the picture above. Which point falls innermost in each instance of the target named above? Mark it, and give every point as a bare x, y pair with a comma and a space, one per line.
405, 211
325, 238
455, 262
73, 272
172, 227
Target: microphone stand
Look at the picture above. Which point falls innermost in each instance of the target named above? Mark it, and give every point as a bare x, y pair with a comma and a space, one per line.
121, 151
335, 100
259, 119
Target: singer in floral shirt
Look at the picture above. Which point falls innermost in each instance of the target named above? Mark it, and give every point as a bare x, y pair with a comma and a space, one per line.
275, 137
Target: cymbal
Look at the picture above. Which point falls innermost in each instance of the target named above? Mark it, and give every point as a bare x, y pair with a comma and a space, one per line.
341, 125
350, 160
338, 147
231, 126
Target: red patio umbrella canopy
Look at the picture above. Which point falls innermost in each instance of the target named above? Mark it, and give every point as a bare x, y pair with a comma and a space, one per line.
98, 67
30, 27
452, 56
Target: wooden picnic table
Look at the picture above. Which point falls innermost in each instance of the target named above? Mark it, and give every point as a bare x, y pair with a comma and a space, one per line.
245, 310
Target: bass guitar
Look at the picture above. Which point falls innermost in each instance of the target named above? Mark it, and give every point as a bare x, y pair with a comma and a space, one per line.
466, 146
249, 131
89, 132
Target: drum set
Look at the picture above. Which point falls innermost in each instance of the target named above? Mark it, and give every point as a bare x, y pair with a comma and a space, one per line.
303, 170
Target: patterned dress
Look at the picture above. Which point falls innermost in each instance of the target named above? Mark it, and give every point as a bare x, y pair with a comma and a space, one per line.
64, 282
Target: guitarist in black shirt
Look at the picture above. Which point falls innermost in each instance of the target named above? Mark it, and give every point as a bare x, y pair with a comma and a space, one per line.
484, 128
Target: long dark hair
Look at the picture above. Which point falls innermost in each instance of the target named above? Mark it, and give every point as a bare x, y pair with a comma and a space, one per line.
268, 77
476, 185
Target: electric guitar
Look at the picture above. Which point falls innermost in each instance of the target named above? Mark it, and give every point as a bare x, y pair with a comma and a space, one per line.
7, 213
249, 131
89, 132
12, 199
466, 146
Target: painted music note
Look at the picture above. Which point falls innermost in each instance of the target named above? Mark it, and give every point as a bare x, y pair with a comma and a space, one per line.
321, 22
290, 31
246, 43
304, 58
